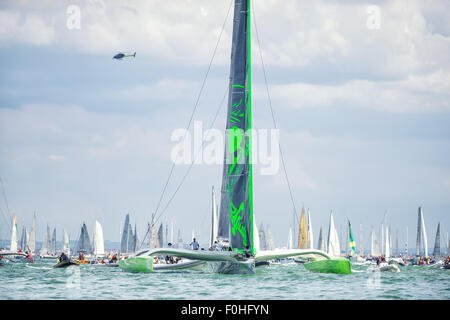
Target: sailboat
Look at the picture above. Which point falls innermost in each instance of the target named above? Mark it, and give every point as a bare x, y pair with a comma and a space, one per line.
236, 216
32, 239
180, 244
66, 243
374, 248
303, 242
53, 243
46, 249
215, 220
310, 232
333, 247
289, 243
321, 242
99, 244
13, 247
437, 242
421, 235
84, 244
387, 265
351, 241
270, 244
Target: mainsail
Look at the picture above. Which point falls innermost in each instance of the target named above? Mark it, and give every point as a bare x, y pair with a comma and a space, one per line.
45, 243
387, 252
270, 244
137, 245
214, 222
53, 243
421, 235
180, 244
23, 239
14, 240
351, 240
32, 240
66, 243
289, 244
124, 241
262, 238
160, 236
321, 242
333, 247
374, 248
310, 232
236, 206
99, 244
84, 244
303, 232
437, 242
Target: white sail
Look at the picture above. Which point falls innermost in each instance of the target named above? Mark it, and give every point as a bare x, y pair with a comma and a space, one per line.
406, 243
27, 239
14, 240
387, 252
32, 241
215, 220
310, 232
333, 247
374, 248
262, 238
154, 238
289, 244
180, 240
66, 245
424, 235
256, 243
270, 245
99, 244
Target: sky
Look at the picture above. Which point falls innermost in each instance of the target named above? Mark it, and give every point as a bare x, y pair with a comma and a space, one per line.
360, 92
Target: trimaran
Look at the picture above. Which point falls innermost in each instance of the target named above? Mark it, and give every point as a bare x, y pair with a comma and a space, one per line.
236, 218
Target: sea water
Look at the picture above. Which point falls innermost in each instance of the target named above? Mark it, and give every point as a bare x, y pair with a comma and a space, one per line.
40, 280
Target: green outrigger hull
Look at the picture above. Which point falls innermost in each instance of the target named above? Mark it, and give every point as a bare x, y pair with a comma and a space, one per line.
137, 264
336, 265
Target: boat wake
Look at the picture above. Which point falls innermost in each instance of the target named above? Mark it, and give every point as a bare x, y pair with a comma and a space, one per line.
38, 268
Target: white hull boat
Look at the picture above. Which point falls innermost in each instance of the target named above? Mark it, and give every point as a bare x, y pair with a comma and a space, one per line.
384, 267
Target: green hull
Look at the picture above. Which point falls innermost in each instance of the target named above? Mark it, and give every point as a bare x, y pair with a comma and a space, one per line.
339, 266
137, 264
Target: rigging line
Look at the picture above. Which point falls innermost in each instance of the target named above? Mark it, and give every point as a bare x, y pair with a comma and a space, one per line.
195, 156
271, 110
196, 103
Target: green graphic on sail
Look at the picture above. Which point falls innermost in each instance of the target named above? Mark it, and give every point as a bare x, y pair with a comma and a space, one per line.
236, 206
351, 240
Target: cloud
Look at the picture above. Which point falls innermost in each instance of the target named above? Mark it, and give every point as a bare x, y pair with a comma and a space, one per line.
56, 157
413, 37
417, 94
27, 28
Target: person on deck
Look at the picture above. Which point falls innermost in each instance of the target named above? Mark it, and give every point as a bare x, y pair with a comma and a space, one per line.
247, 252
194, 244
63, 257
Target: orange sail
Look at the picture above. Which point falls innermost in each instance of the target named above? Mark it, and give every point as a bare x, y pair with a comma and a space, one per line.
303, 232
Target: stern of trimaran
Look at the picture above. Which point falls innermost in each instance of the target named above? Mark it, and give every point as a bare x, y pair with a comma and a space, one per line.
236, 220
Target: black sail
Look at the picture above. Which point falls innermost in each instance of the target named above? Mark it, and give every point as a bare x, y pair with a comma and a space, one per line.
236, 205
84, 244
437, 242
125, 235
